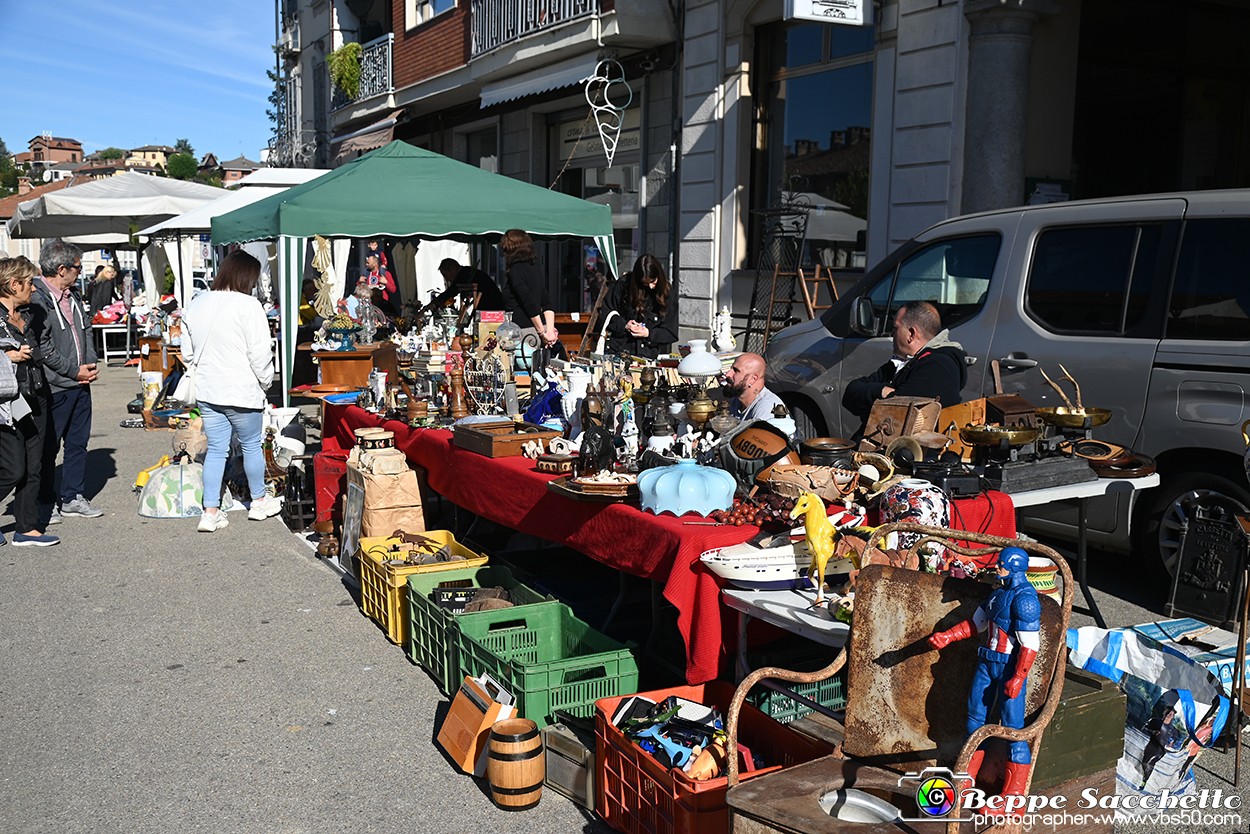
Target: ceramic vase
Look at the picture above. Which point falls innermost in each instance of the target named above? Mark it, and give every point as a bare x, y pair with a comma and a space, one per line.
1043, 575
917, 501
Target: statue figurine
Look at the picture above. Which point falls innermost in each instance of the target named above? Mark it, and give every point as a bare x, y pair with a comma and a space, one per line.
1013, 616
722, 333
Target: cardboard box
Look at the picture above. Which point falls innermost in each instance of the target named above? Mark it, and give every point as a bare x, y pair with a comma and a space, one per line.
392, 502
971, 413
1211, 647
465, 733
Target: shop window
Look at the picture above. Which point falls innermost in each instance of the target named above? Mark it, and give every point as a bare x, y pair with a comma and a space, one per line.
954, 275
1211, 293
817, 148
1092, 280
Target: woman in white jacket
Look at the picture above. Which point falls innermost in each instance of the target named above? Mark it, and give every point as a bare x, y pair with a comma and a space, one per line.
226, 336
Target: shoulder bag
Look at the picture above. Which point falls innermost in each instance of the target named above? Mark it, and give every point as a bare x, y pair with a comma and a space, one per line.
185, 390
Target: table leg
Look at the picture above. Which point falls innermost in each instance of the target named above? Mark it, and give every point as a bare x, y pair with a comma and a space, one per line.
616, 606
1081, 536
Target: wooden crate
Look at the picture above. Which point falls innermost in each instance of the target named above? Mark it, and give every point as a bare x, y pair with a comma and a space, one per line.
502, 439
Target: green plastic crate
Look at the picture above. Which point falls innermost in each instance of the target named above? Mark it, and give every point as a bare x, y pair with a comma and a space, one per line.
829, 693
547, 658
431, 642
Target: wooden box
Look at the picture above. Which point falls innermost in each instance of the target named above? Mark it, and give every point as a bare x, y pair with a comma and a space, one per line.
1086, 736
1010, 410
500, 440
971, 413
894, 417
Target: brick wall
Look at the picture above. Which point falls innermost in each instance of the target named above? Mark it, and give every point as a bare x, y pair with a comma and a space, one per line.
432, 48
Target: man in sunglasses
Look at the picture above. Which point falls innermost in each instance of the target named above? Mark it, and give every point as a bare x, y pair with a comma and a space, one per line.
70, 368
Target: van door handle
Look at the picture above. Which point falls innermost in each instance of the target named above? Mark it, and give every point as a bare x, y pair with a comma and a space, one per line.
1017, 363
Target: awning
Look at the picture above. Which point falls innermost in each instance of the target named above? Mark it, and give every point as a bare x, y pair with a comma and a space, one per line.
348, 146
564, 74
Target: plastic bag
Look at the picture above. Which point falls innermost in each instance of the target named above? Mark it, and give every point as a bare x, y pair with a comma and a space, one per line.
176, 491
1176, 708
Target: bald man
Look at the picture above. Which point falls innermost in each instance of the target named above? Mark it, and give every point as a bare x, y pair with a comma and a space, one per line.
926, 363
744, 383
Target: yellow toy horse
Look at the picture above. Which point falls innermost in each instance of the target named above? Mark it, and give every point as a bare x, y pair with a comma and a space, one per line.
821, 538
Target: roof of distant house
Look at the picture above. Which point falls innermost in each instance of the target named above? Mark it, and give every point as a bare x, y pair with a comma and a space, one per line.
242, 163
58, 142
8, 206
164, 148
67, 166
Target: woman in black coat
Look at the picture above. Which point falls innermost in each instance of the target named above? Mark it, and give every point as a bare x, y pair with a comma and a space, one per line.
646, 312
525, 288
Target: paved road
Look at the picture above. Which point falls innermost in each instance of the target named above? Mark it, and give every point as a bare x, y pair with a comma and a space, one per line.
159, 680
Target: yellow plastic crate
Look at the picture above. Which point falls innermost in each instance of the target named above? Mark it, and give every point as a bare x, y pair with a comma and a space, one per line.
384, 588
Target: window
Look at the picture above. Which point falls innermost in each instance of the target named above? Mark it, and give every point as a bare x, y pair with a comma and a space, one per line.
417, 12
1211, 293
952, 274
1093, 280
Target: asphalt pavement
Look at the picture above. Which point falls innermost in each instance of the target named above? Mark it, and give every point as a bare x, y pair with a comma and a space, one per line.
156, 679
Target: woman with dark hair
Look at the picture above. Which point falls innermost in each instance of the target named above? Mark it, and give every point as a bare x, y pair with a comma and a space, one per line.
225, 335
646, 314
525, 289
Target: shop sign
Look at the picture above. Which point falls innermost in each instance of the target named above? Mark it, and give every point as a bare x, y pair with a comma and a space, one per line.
591, 145
845, 12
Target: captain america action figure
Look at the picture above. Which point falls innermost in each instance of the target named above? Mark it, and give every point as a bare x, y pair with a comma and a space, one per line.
1012, 615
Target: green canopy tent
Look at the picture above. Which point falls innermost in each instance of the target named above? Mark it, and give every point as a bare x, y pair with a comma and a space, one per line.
403, 191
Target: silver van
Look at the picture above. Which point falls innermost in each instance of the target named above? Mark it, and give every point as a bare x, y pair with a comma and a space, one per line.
1144, 299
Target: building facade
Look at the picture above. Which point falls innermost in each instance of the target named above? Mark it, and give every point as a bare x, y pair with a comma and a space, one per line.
930, 109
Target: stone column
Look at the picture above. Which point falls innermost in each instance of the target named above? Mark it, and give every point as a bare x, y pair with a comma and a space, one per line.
998, 99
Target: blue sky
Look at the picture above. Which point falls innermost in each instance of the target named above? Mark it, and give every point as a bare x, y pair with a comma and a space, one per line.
137, 73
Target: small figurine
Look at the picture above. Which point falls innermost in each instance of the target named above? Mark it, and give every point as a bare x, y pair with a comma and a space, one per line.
1013, 616
821, 536
722, 332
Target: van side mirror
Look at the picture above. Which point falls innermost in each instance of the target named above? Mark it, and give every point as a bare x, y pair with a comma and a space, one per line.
863, 317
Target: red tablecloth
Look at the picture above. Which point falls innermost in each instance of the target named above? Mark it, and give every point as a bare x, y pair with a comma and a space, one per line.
508, 491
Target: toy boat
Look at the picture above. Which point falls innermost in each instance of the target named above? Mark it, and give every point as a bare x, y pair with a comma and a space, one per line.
781, 568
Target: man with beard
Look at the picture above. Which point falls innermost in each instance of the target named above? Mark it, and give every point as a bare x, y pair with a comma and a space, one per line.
744, 384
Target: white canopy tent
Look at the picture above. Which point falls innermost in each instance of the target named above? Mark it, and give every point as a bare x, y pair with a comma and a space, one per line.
178, 232
107, 212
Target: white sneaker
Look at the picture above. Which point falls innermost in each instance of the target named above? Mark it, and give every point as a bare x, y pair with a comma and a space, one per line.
263, 508
212, 522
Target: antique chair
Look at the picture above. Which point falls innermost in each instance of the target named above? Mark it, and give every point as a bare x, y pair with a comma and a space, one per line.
906, 703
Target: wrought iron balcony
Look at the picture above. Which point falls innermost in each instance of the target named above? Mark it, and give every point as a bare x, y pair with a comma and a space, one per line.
375, 72
497, 22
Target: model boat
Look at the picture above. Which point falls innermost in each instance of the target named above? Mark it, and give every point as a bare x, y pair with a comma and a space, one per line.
781, 568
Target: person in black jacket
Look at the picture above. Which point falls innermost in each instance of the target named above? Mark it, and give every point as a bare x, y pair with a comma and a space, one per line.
467, 281
926, 363
525, 290
646, 314
101, 294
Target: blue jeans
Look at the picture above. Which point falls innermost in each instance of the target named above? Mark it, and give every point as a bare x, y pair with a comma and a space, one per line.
988, 682
220, 422
70, 423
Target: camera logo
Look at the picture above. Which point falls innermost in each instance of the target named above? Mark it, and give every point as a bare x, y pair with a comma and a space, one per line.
937, 790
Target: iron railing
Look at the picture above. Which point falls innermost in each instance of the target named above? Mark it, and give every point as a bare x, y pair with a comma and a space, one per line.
496, 22
375, 72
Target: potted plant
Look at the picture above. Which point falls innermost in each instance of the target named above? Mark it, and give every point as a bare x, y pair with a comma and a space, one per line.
344, 66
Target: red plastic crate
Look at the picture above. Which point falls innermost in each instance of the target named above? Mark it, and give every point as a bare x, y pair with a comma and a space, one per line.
330, 479
638, 795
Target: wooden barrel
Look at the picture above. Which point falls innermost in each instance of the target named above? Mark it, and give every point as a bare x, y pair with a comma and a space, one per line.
517, 765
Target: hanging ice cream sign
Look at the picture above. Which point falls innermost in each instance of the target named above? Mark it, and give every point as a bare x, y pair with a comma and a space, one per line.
846, 12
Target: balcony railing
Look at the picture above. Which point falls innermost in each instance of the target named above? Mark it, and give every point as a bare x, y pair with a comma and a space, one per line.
375, 72
496, 22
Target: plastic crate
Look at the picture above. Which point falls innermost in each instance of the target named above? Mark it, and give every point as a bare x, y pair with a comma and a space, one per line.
384, 588
829, 693
637, 794
431, 633
330, 476
547, 658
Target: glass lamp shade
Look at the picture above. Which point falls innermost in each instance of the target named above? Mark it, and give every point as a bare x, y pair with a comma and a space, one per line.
686, 487
509, 335
699, 363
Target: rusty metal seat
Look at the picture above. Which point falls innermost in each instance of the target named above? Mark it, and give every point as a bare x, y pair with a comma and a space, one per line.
906, 705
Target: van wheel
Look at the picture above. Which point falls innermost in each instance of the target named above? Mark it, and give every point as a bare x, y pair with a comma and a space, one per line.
808, 420
1168, 507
